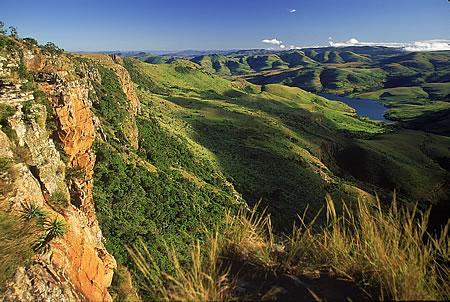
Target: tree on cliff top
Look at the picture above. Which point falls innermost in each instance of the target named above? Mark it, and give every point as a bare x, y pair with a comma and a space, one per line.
13, 32
2, 28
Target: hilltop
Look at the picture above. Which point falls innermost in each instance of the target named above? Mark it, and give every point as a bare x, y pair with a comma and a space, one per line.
414, 86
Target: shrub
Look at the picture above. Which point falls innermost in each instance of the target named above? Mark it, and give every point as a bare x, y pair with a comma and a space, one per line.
30, 41
32, 211
5, 163
54, 228
58, 201
52, 48
6, 112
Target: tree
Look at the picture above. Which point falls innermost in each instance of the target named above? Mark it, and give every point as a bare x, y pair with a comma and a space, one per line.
31, 41
52, 48
2, 28
13, 32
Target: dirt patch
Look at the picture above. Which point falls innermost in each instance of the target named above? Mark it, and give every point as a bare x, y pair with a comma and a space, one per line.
255, 283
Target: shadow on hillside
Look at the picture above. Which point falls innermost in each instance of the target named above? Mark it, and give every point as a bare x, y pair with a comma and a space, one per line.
255, 156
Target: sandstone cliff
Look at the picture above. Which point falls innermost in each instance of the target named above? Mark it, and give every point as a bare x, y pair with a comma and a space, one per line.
48, 139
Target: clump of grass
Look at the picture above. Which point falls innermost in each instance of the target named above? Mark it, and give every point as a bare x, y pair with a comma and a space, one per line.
16, 239
5, 163
32, 211
205, 280
249, 235
53, 228
58, 201
389, 251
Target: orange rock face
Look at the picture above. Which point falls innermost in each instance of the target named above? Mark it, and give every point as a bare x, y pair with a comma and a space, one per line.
80, 254
89, 268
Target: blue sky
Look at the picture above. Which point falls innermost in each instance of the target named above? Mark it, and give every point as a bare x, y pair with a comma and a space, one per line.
224, 24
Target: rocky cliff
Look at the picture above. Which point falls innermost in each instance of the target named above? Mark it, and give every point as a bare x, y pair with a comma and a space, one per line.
47, 132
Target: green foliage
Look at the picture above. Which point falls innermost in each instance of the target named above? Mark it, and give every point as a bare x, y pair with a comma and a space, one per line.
31, 42
51, 228
52, 48
112, 104
58, 201
54, 228
6, 112
5, 163
32, 211
132, 203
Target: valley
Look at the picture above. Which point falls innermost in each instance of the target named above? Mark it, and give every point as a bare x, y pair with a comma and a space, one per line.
140, 175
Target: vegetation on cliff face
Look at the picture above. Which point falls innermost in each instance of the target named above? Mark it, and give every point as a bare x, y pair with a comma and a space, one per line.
44, 104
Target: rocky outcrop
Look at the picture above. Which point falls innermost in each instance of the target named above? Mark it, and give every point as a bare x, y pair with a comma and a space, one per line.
77, 266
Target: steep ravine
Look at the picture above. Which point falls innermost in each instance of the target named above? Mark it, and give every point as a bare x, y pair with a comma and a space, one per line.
47, 140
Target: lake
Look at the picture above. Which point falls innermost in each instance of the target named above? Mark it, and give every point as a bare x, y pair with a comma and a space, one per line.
373, 109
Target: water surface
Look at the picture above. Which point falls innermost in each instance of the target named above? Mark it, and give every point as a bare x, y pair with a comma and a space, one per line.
373, 109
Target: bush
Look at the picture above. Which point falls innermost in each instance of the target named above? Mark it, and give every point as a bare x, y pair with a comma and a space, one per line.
5, 163
52, 48
53, 228
6, 112
30, 41
58, 201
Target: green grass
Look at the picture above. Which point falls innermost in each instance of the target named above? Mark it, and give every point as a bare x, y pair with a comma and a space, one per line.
404, 160
405, 94
405, 112
438, 91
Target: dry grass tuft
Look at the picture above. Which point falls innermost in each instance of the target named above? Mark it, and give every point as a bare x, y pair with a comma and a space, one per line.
205, 280
387, 252
16, 240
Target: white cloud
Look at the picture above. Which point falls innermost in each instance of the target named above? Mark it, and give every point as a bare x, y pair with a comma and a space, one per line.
428, 45
292, 10
282, 46
272, 41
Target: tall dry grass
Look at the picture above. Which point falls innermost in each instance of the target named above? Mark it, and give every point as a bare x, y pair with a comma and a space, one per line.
204, 280
16, 240
387, 251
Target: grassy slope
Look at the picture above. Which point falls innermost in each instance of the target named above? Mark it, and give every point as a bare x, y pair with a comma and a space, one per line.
243, 128
266, 142
199, 134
